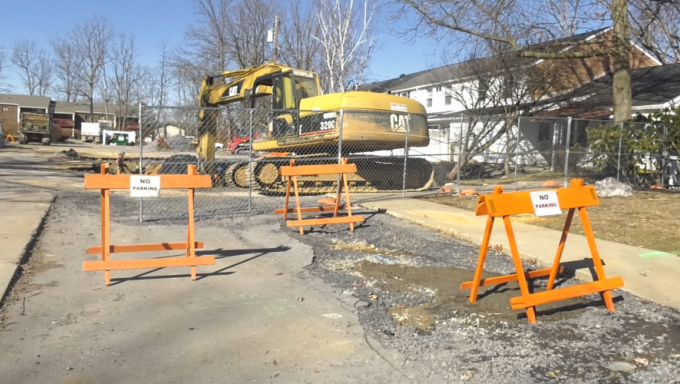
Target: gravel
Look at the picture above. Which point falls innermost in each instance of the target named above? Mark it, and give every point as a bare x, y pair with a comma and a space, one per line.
484, 342
580, 342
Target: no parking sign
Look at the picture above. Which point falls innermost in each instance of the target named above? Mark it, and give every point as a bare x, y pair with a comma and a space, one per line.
145, 186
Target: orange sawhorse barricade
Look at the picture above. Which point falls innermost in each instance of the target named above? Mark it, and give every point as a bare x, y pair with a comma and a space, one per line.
292, 172
499, 204
107, 182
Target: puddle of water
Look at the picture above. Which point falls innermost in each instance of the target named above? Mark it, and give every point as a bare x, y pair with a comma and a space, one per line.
448, 299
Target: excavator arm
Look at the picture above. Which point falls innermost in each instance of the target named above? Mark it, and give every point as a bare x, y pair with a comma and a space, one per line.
237, 86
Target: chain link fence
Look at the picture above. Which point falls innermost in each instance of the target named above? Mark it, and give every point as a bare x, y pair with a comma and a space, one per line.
397, 154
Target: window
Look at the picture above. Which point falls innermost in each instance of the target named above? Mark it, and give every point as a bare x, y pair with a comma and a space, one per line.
439, 88
483, 88
508, 86
429, 92
283, 93
544, 132
429, 102
447, 100
5, 109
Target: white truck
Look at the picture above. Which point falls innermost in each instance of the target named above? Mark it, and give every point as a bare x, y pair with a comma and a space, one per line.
92, 132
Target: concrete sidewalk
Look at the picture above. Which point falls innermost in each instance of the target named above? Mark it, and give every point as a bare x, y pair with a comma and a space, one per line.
654, 278
22, 213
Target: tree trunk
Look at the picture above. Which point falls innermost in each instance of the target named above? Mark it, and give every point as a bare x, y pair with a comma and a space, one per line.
621, 93
452, 175
508, 131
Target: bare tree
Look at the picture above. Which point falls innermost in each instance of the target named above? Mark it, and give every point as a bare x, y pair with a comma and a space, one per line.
124, 74
164, 82
163, 74
67, 66
187, 83
299, 49
656, 26
346, 36
514, 24
206, 43
562, 18
35, 68
4, 86
499, 84
226, 34
247, 31
92, 41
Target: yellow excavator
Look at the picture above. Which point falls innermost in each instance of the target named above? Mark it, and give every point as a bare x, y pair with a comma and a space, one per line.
303, 124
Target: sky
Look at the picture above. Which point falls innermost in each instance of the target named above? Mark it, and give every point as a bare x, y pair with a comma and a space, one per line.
155, 21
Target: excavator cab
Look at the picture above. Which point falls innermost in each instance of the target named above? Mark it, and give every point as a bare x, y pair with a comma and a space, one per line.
288, 89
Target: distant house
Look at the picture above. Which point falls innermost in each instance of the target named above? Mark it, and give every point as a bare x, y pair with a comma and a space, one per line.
468, 85
66, 116
452, 94
169, 131
13, 106
70, 115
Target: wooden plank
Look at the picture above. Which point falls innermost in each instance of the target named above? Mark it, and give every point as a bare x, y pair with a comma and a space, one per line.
519, 268
517, 203
323, 208
328, 220
545, 297
508, 278
147, 263
597, 262
167, 181
96, 250
322, 169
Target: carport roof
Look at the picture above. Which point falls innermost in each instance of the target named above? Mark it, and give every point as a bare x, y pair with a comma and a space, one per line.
73, 107
25, 100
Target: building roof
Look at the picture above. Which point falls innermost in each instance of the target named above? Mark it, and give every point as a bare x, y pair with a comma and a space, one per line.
652, 87
79, 107
454, 72
25, 100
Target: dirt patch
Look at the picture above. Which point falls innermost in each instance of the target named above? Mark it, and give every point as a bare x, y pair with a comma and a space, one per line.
645, 219
448, 300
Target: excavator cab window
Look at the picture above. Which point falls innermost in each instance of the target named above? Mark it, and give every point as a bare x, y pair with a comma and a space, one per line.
305, 87
283, 93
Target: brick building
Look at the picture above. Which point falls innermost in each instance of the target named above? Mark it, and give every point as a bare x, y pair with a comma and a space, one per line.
469, 85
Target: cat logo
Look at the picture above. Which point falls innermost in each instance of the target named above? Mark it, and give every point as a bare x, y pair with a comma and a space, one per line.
399, 123
233, 91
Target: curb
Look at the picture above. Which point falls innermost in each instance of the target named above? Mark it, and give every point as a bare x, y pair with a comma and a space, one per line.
27, 253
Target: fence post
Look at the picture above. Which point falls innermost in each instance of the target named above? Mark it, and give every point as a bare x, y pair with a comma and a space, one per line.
340, 128
141, 160
663, 157
403, 181
250, 163
519, 126
566, 154
460, 155
342, 116
618, 160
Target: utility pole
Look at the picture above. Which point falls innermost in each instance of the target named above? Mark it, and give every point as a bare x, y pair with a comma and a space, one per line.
276, 37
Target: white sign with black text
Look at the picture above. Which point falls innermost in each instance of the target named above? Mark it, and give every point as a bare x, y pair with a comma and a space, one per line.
145, 186
545, 203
